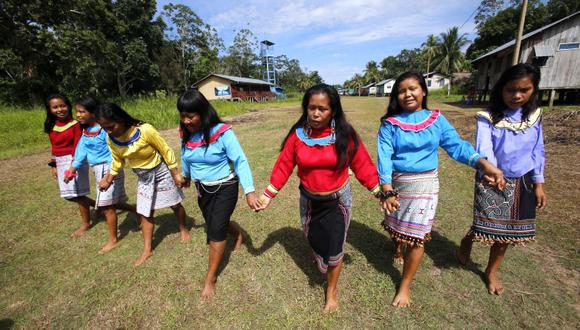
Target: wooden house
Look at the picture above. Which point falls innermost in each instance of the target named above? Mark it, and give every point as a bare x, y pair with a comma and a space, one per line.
222, 87
436, 80
384, 87
554, 48
364, 90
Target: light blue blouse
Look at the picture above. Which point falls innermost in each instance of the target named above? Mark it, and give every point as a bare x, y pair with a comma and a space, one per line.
213, 163
92, 148
408, 142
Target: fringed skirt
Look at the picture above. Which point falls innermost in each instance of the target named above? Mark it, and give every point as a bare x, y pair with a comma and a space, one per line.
418, 196
325, 221
78, 186
116, 192
156, 189
507, 216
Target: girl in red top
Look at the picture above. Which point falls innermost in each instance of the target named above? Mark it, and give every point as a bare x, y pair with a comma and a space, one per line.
64, 133
323, 145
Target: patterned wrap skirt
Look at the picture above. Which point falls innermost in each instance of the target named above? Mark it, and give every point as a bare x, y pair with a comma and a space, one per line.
507, 216
156, 189
418, 196
78, 186
325, 221
116, 193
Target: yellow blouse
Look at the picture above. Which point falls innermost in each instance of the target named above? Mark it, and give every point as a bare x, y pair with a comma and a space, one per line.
146, 151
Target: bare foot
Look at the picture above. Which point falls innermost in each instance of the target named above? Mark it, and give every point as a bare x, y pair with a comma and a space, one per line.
331, 305
208, 291
184, 234
144, 256
108, 247
464, 252
80, 232
398, 258
402, 299
239, 241
494, 286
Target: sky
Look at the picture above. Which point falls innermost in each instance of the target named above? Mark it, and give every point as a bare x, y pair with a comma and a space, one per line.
336, 38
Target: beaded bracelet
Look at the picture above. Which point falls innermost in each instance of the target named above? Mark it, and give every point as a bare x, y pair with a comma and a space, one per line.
388, 194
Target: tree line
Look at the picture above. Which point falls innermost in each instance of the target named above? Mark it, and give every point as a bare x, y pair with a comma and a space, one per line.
496, 23
120, 48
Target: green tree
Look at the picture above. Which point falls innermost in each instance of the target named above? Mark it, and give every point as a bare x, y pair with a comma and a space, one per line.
241, 58
559, 9
372, 72
430, 49
288, 72
451, 58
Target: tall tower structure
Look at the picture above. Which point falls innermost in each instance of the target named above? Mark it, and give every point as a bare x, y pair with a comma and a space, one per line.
267, 54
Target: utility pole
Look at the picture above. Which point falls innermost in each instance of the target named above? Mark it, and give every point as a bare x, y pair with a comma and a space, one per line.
516, 57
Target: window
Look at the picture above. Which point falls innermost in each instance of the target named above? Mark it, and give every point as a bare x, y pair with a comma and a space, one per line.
569, 46
540, 61
428, 82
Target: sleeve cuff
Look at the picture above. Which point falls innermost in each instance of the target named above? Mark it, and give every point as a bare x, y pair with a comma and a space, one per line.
271, 191
538, 178
376, 189
249, 190
113, 172
385, 179
172, 166
473, 159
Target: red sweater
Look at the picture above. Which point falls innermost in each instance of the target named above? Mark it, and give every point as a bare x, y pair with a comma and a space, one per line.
64, 137
316, 166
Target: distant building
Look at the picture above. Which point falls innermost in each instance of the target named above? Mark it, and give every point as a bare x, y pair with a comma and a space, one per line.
554, 48
436, 80
222, 87
365, 90
384, 87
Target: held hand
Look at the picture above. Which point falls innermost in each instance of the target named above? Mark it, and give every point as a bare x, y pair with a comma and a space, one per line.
53, 172
178, 179
70, 175
104, 184
186, 182
541, 199
390, 205
263, 202
492, 175
252, 201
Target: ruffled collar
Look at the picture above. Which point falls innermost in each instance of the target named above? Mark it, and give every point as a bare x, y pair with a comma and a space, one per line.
508, 121
92, 131
415, 127
314, 137
132, 138
196, 140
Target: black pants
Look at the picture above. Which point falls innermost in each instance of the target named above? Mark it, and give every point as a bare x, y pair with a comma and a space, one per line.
217, 203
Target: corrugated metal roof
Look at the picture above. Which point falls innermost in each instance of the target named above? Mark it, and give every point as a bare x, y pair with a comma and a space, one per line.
524, 37
368, 85
239, 80
543, 51
382, 82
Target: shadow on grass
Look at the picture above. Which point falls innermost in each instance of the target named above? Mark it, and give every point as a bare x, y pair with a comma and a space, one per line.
6, 324
371, 243
167, 224
296, 245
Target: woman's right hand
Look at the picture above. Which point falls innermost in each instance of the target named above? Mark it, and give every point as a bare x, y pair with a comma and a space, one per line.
104, 184
186, 182
53, 172
390, 204
72, 171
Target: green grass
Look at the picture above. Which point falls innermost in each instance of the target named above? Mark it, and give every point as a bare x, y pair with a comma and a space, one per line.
21, 129
51, 281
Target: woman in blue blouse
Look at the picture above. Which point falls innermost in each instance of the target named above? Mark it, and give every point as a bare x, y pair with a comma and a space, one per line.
408, 139
212, 156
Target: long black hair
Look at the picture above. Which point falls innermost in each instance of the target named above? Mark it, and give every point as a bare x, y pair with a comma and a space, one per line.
343, 130
394, 108
50, 118
192, 101
113, 112
89, 103
518, 71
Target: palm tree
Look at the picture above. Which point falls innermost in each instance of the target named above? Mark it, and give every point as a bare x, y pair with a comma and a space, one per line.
451, 58
358, 81
372, 72
430, 49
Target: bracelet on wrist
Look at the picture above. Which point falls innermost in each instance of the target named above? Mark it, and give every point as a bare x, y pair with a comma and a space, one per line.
388, 194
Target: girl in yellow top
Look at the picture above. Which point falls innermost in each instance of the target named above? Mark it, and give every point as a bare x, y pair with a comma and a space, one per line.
140, 146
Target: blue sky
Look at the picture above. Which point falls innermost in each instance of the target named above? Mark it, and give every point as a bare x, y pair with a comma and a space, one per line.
336, 38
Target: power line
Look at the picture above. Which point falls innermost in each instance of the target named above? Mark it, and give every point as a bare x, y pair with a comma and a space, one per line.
473, 13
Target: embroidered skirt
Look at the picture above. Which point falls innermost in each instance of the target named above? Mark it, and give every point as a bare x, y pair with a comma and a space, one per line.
217, 203
325, 221
76, 187
156, 189
418, 196
116, 192
507, 216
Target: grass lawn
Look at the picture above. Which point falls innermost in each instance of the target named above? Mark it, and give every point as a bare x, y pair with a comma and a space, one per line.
51, 281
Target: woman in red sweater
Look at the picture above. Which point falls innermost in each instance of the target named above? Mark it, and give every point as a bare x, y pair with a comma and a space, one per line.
323, 145
64, 133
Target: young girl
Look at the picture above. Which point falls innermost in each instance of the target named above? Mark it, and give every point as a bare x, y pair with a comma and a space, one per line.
408, 139
64, 133
212, 156
509, 134
140, 145
93, 148
323, 145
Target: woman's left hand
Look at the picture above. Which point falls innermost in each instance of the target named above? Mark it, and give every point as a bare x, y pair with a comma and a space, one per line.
179, 182
492, 175
541, 199
252, 201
